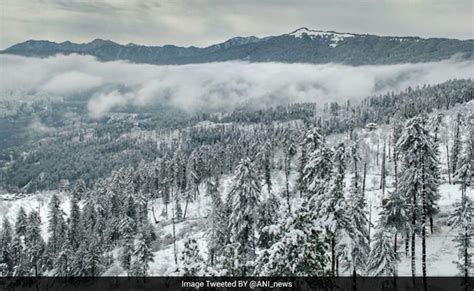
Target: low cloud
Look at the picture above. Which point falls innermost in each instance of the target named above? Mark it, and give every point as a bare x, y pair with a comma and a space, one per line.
213, 86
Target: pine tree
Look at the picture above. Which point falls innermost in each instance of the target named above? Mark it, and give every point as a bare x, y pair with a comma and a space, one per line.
191, 260
383, 259
314, 161
432, 186
245, 198
55, 225
360, 235
470, 150
317, 171
79, 190
463, 218
21, 222
268, 217
217, 219
300, 251
63, 262
267, 165
178, 212
456, 149
75, 226
19, 258
395, 215
289, 151
6, 239
34, 244
418, 155
127, 249
88, 218
142, 255
93, 261
332, 208
78, 265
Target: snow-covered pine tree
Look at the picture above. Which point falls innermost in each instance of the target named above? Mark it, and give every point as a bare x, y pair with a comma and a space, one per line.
418, 153
456, 148
34, 244
383, 259
317, 171
127, 233
191, 260
217, 235
267, 165
332, 209
463, 218
63, 262
94, 261
300, 251
78, 265
268, 216
56, 225
358, 212
289, 151
394, 215
75, 226
19, 258
6, 257
178, 212
245, 198
21, 222
312, 145
142, 255
88, 218
79, 190
470, 150
432, 193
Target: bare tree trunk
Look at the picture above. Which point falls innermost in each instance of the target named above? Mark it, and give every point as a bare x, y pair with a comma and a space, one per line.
287, 174
186, 208
354, 279
333, 256
407, 243
175, 250
413, 246
378, 145
382, 172
447, 161
363, 180
395, 242
154, 217
370, 220
431, 224
423, 229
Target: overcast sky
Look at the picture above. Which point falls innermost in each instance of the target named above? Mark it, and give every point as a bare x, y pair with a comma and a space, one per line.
204, 22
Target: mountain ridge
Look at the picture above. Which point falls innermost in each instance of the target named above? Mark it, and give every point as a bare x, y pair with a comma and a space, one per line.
302, 45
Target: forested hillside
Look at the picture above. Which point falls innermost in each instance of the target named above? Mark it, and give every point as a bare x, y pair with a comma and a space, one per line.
97, 147
296, 190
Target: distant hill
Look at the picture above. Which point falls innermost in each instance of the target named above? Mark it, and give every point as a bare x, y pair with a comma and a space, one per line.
302, 45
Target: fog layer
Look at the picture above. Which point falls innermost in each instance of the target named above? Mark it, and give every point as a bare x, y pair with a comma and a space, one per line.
212, 86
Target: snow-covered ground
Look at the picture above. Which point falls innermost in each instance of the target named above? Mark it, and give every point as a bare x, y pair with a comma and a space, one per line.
441, 251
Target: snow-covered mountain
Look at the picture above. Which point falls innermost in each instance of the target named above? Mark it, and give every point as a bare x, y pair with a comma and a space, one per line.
302, 45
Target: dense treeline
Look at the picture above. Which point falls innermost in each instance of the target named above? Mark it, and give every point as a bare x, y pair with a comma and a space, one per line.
94, 152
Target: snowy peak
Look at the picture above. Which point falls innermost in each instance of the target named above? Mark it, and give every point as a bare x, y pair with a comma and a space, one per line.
236, 41
331, 36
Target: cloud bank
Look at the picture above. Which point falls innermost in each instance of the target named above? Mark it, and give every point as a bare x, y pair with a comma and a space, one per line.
213, 86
